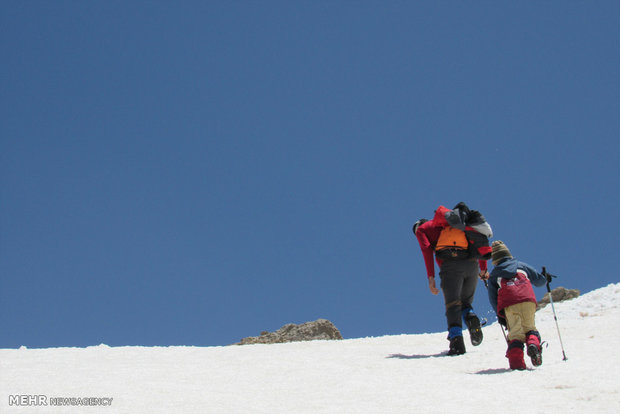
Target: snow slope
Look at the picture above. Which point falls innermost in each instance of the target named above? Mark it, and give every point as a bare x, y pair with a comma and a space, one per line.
391, 374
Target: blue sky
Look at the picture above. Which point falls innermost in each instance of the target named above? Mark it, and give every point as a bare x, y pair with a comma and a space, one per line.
191, 173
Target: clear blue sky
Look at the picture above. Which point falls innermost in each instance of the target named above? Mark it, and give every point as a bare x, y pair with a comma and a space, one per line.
191, 173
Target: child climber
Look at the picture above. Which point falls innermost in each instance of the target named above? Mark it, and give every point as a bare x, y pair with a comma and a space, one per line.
512, 297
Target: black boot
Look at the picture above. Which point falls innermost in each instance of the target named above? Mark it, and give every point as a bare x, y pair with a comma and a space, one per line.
457, 346
473, 326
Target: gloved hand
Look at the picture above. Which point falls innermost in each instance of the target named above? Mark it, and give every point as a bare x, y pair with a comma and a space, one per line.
502, 321
548, 276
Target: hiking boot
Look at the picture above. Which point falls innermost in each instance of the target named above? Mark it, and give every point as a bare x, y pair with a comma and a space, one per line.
515, 355
474, 328
534, 348
535, 353
457, 346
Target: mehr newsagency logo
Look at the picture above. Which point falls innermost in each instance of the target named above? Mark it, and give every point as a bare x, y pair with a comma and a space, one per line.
36, 400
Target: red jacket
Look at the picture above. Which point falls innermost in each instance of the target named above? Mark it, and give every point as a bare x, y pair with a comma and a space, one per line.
515, 290
511, 282
428, 234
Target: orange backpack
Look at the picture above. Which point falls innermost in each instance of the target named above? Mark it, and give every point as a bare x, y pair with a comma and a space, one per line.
452, 244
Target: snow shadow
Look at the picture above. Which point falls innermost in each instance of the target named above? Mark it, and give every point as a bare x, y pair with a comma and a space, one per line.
492, 371
402, 356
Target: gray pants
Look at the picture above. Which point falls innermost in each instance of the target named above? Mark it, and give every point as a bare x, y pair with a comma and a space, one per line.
459, 279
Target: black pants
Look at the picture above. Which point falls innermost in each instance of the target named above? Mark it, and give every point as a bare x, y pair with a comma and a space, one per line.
459, 279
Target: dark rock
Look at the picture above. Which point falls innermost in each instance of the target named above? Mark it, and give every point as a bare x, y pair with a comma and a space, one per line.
321, 329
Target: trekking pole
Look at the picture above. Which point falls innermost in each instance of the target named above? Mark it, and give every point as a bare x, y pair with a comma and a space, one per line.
486, 284
548, 276
504, 332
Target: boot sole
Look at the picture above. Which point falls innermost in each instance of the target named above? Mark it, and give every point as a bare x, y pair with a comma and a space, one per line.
475, 330
534, 353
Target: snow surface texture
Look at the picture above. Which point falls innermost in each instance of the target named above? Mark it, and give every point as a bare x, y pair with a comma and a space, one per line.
391, 374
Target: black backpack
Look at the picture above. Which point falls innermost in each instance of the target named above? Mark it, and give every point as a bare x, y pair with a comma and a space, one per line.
476, 229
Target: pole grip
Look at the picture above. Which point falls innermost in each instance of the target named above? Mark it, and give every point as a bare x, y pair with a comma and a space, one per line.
548, 277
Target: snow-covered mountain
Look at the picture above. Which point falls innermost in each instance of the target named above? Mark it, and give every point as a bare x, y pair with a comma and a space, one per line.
391, 374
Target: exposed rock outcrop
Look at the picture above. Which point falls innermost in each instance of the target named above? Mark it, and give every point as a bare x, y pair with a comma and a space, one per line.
309, 331
558, 294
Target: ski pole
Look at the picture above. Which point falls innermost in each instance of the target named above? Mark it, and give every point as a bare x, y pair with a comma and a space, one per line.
548, 276
486, 284
504, 332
